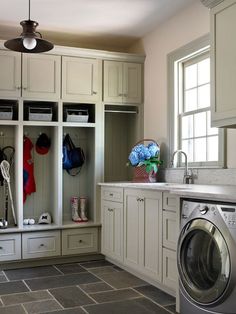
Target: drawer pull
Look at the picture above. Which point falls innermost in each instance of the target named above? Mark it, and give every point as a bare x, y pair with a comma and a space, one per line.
111, 194
1, 248
110, 209
80, 241
41, 245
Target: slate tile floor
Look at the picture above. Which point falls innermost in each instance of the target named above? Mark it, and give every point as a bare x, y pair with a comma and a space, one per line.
90, 287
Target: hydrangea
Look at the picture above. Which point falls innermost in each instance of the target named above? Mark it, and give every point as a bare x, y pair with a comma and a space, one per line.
140, 153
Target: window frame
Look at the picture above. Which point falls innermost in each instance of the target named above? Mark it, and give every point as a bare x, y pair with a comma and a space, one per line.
196, 48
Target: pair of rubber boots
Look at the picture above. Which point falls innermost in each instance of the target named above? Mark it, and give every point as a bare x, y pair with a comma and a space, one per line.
78, 209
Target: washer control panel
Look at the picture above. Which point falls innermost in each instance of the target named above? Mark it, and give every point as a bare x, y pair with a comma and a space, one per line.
228, 213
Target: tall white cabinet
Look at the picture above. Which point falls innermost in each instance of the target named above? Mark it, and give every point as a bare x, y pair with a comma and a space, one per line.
64, 80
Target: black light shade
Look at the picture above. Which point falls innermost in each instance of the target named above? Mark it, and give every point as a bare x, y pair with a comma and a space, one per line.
29, 41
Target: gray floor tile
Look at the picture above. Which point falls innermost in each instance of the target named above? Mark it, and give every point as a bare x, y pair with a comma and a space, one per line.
60, 281
121, 279
171, 308
115, 295
117, 268
15, 309
94, 264
75, 310
71, 296
18, 298
102, 270
71, 268
41, 306
33, 272
95, 287
12, 287
137, 306
156, 295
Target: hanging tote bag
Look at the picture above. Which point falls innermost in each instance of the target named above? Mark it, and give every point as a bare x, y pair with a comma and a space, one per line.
73, 157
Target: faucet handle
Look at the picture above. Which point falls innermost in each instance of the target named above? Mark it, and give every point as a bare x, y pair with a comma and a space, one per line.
188, 177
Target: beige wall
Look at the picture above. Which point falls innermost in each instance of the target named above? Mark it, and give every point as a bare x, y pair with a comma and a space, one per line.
187, 25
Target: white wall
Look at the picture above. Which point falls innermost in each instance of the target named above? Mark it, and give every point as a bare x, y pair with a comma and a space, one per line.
184, 27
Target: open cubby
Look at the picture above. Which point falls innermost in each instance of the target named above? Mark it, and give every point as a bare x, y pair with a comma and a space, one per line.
121, 129
8, 137
83, 183
10, 107
49, 106
78, 106
45, 199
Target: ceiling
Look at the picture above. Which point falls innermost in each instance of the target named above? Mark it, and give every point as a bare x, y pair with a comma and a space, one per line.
105, 24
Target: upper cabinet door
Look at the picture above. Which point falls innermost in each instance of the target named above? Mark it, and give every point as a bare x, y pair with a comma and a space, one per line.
132, 83
10, 73
223, 66
113, 86
79, 79
122, 82
41, 76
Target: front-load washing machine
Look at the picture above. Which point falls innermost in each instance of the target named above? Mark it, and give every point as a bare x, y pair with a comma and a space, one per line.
207, 258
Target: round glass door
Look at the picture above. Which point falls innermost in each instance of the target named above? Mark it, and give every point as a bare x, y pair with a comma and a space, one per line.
203, 261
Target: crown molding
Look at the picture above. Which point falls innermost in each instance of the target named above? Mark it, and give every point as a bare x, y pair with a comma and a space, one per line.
211, 3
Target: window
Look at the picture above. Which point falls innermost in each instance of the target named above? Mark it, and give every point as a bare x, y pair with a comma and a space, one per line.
189, 106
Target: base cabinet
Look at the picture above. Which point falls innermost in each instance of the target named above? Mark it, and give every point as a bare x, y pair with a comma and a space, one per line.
170, 271
143, 232
10, 247
78, 241
41, 244
112, 222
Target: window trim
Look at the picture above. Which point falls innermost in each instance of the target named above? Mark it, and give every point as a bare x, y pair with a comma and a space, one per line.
193, 48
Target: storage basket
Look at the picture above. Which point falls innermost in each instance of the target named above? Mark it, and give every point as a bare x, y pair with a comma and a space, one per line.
40, 114
77, 115
140, 174
6, 112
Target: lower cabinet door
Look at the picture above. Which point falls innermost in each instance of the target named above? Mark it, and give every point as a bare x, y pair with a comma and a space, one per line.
170, 269
41, 244
77, 241
10, 247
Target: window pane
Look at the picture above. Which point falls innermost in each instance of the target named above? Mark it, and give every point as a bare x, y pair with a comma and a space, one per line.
210, 131
191, 76
187, 147
200, 124
187, 126
190, 100
204, 71
212, 147
204, 96
200, 149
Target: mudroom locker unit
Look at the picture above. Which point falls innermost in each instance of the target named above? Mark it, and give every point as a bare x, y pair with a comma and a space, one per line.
96, 98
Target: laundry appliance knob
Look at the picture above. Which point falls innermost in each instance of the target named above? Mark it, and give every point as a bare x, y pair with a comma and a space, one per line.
204, 209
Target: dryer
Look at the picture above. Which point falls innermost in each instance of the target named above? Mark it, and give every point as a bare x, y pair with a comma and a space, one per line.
207, 257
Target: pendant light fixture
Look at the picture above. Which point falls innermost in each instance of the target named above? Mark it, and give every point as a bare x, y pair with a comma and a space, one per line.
29, 41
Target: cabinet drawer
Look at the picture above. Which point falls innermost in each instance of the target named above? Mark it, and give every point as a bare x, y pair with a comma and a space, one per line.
41, 244
10, 247
169, 230
78, 241
112, 194
170, 201
170, 269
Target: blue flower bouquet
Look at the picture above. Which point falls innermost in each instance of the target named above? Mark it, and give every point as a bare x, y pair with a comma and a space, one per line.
146, 160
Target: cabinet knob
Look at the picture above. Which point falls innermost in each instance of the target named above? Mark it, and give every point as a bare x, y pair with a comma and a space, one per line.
17, 87
94, 93
80, 241
1, 248
110, 209
137, 199
111, 194
125, 95
24, 88
120, 95
41, 245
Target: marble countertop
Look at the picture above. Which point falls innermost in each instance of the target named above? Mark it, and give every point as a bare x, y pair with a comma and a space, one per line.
226, 193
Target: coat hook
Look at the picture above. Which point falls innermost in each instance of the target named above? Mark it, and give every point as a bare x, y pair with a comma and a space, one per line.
26, 133
2, 134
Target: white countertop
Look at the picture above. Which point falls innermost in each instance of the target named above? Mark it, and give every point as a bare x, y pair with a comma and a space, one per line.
226, 193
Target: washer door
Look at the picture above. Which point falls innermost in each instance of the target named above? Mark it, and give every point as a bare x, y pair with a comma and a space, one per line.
203, 261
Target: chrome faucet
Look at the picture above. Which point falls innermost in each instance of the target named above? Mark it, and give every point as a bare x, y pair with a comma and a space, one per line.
188, 177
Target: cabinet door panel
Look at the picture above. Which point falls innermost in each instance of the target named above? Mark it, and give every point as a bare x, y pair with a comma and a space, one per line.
132, 83
41, 76
223, 64
113, 81
169, 230
112, 230
79, 79
132, 234
170, 269
10, 74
